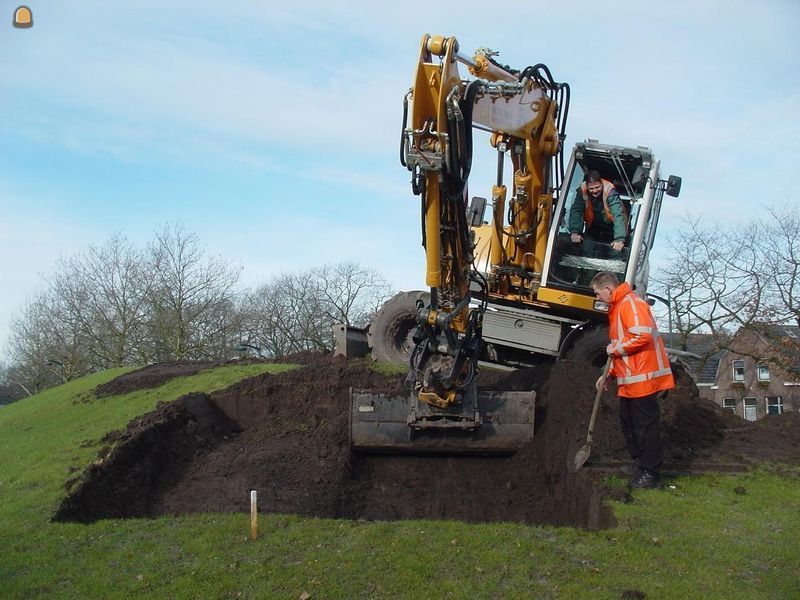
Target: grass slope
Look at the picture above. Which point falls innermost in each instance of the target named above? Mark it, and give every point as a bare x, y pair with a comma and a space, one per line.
721, 536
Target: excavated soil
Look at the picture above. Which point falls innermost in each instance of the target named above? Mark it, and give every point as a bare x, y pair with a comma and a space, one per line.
286, 436
159, 373
149, 377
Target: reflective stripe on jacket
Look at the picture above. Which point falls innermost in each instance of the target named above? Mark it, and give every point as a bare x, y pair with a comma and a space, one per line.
640, 363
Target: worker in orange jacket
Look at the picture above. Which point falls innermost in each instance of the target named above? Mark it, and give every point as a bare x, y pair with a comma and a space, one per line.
641, 367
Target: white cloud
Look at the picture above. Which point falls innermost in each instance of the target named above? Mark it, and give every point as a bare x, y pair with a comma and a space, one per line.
120, 92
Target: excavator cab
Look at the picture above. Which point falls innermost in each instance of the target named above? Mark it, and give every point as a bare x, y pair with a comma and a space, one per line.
633, 172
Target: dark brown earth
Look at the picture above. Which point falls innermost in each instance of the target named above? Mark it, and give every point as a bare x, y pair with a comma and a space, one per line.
151, 376
159, 373
286, 436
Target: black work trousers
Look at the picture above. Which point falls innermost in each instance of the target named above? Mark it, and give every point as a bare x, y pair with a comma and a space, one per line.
639, 418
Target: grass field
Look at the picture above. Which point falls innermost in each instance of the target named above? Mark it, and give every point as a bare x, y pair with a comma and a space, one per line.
715, 536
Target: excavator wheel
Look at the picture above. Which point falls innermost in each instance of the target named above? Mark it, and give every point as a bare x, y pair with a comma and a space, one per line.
391, 330
590, 347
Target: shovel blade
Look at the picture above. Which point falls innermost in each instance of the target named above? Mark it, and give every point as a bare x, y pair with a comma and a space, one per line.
581, 456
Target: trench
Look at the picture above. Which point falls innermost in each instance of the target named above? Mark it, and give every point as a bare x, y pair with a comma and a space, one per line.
286, 436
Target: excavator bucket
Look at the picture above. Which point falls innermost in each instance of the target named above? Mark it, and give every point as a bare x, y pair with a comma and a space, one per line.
349, 341
485, 423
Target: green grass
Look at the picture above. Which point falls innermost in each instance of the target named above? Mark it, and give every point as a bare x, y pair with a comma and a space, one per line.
700, 539
388, 369
44, 437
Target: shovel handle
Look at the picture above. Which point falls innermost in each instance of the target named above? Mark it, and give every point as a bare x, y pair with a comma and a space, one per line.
600, 387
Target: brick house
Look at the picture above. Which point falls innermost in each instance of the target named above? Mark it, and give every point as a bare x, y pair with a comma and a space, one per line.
756, 376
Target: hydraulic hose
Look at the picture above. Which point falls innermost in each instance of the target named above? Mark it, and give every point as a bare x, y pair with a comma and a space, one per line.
403, 130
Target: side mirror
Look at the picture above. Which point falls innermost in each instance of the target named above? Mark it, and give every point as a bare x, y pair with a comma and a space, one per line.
673, 186
476, 210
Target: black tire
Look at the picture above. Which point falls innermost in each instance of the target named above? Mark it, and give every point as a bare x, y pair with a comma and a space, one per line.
390, 333
590, 347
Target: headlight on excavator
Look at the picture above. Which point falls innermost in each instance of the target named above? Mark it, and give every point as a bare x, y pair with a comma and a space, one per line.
600, 305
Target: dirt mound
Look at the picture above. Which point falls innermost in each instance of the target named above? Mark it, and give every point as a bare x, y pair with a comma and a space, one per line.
699, 435
306, 357
286, 435
150, 376
146, 459
154, 375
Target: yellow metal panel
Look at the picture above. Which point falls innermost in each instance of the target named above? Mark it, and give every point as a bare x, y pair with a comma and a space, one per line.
562, 298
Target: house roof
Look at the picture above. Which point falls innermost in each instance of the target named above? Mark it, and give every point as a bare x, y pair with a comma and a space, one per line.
786, 338
790, 331
703, 369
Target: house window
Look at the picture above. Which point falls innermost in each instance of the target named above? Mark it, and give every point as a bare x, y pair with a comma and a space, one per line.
763, 372
729, 404
750, 410
738, 370
774, 405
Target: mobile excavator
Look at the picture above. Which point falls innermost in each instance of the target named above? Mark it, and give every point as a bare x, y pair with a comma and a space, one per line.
510, 292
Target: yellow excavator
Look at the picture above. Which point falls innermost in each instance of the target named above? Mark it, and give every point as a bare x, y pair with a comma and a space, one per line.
510, 292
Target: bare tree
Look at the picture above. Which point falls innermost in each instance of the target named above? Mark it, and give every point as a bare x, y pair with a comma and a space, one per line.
89, 317
708, 278
723, 279
43, 349
27, 352
191, 299
349, 293
284, 316
115, 305
103, 292
778, 244
294, 312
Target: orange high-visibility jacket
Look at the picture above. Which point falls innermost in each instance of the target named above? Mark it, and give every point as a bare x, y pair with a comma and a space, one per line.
640, 361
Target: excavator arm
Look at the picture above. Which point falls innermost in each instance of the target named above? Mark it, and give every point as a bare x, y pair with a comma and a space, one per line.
444, 410
437, 149
518, 109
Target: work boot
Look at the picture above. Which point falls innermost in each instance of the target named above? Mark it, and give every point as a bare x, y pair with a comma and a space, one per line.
633, 470
646, 480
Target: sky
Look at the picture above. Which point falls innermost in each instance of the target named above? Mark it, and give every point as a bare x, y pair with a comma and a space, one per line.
271, 130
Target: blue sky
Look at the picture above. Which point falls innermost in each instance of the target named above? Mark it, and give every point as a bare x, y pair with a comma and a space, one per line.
273, 133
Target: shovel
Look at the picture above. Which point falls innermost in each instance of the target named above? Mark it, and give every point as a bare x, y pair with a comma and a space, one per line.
583, 454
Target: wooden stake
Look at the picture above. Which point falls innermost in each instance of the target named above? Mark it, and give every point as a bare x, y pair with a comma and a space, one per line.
253, 516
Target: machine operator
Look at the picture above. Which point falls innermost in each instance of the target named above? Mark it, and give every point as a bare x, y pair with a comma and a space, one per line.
598, 207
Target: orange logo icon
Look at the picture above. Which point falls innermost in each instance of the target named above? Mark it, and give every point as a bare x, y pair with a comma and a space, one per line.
23, 17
